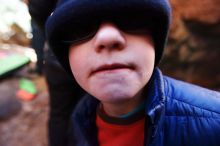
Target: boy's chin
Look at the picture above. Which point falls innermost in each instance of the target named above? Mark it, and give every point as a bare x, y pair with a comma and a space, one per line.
114, 95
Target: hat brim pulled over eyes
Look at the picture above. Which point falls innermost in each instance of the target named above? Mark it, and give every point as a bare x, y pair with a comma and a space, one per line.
75, 18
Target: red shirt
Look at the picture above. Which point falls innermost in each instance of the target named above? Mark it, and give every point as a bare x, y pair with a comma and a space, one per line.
118, 134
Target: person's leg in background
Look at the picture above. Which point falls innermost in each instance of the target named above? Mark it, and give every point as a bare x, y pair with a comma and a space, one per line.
63, 92
64, 95
37, 43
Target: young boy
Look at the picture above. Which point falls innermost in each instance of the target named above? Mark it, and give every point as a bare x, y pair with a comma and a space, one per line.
112, 49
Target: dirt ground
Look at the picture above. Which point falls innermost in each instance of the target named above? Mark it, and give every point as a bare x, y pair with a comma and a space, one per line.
23, 123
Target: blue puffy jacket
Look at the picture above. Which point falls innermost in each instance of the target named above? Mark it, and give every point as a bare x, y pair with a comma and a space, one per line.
178, 114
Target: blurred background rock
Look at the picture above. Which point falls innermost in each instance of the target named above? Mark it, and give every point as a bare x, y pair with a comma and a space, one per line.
14, 23
193, 51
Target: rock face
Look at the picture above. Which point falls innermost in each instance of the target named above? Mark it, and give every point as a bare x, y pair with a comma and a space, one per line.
193, 51
9, 105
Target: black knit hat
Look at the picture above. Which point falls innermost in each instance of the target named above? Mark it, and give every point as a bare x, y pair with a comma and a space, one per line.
71, 15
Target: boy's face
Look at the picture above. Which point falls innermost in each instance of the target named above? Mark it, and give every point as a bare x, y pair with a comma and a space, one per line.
113, 66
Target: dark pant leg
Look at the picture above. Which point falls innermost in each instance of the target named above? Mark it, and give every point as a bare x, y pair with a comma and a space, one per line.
37, 43
64, 94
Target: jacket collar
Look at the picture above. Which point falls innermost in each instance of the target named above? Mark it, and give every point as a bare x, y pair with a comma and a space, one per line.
155, 108
155, 97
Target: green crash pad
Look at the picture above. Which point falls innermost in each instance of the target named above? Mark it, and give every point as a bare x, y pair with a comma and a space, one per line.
12, 62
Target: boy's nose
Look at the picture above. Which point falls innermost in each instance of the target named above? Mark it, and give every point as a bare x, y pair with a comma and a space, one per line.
109, 37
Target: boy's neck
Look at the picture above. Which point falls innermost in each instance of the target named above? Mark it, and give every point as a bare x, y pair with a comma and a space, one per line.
121, 108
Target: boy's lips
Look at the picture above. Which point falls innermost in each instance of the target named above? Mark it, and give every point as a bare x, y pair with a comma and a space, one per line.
112, 67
